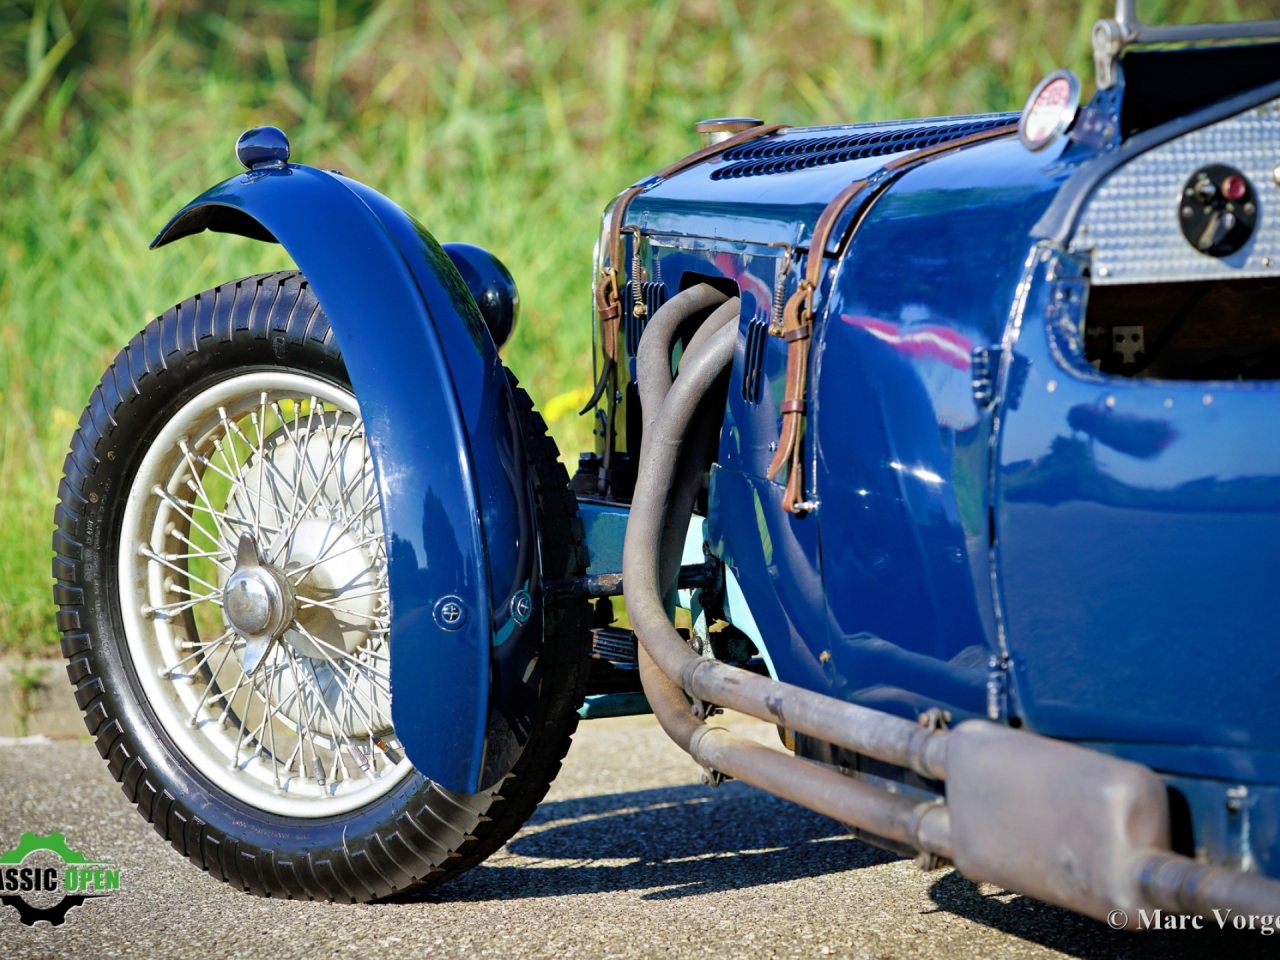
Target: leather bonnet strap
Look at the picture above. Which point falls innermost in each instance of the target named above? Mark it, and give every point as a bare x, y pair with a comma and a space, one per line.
608, 292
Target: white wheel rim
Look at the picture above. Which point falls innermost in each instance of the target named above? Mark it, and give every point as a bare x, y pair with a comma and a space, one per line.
284, 457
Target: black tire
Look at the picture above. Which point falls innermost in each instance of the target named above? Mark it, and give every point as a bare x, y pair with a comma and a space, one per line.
416, 835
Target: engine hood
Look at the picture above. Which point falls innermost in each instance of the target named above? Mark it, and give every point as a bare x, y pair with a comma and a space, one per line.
772, 191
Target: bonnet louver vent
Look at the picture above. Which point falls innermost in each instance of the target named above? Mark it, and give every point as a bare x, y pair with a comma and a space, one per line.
653, 293
753, 369
782, 156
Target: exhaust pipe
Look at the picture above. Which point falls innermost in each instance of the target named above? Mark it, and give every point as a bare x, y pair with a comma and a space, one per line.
1066, 825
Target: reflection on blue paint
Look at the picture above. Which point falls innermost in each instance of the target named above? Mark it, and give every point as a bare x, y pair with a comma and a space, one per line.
1142, 437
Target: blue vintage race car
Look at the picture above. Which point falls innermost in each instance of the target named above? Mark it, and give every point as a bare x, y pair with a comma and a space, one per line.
956, 441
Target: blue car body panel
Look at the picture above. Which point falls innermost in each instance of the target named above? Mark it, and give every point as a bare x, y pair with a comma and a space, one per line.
775, 560
901, 446
447, 449
1161, 502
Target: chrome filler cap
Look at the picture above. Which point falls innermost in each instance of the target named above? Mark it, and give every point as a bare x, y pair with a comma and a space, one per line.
722, 128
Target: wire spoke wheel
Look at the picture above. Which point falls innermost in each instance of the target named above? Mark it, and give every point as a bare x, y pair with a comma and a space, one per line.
223, 592
295, 719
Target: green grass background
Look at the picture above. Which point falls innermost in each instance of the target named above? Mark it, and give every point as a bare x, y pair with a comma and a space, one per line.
507, 125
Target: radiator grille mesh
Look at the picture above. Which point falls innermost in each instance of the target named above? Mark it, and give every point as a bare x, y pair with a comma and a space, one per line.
1131, 225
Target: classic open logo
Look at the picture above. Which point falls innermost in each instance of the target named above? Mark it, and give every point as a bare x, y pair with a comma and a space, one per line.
42, 878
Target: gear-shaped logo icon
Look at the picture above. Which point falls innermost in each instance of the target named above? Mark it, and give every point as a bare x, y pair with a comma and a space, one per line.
29, 843
78, 873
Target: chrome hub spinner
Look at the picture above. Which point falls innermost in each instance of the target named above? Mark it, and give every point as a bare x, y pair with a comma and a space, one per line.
258, 600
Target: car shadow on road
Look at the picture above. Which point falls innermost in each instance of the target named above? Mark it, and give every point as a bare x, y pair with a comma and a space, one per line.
1088, 939
672, 842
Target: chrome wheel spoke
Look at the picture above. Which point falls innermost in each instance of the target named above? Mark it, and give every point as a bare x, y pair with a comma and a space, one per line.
371, 541
195, 714
150, 554
351, 700
195, 482
319, 481
215, 597
333, 607
203, 651
238, 482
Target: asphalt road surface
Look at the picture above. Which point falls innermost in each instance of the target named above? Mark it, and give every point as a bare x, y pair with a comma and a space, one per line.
630, 856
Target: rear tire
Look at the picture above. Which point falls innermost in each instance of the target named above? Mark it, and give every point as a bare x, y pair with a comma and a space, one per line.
351, 820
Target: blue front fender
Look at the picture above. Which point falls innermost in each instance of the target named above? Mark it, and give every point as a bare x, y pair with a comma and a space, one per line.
457, 502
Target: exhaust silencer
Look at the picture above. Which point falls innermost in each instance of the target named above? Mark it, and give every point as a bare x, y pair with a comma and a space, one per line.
1050, 820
